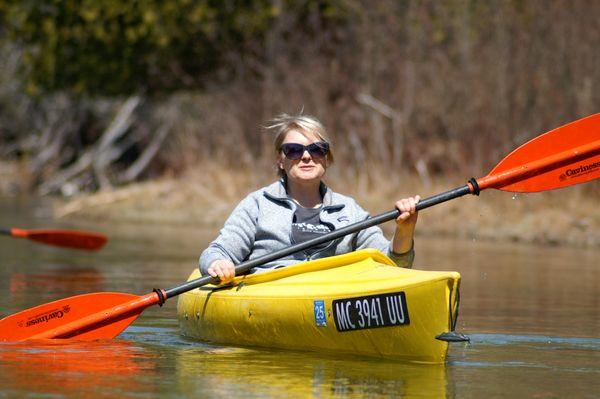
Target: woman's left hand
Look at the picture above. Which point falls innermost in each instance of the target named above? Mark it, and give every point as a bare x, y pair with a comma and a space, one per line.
408, 213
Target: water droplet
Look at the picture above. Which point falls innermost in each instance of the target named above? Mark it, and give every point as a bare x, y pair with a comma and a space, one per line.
514, 197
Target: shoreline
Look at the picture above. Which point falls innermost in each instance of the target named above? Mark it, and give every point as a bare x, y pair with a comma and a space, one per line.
568, 216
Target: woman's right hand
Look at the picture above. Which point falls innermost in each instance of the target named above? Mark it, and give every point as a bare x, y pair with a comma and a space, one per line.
224, 269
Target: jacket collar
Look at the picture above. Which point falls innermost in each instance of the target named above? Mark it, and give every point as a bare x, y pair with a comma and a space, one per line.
277, 192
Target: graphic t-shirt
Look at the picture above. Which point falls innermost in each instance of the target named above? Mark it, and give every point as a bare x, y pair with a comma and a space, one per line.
307, 225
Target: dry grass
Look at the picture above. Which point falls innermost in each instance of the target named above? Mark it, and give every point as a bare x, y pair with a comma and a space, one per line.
206, 195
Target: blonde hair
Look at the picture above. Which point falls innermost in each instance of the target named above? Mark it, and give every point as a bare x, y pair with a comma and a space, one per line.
282, 124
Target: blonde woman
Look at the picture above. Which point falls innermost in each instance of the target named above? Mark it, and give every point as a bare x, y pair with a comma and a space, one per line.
300, 207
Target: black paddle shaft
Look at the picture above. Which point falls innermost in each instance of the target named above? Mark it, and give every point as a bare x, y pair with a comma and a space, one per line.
373, 221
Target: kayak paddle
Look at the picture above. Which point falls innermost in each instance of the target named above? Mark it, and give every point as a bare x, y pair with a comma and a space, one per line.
60, 238
562, 157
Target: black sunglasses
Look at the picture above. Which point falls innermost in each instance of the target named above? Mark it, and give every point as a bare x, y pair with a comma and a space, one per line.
295, 151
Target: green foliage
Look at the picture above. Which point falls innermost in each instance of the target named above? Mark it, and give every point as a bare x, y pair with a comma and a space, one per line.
111, 47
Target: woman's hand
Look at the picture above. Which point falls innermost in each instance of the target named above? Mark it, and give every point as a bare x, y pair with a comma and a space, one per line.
224, 269
408, 213
405, 224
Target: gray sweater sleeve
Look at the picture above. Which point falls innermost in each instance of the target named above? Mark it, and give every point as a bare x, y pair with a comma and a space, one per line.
373, 238
236, 238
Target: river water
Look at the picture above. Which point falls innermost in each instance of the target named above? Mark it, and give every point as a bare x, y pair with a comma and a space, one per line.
532, 313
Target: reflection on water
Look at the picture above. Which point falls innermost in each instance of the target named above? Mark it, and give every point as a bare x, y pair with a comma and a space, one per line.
223, 371
152, 359
200, 369
532, 313
96, 368
69, 278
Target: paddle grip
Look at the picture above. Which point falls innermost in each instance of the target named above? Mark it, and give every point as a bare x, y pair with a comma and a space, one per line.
353, 228
5, 231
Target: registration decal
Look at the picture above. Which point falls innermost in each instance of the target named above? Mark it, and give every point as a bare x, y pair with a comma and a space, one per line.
374, 311
320, 318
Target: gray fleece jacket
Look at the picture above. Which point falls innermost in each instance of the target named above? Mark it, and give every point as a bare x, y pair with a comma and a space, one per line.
262, 224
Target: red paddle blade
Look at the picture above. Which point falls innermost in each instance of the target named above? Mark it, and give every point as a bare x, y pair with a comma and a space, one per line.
64, 238
101, 315
562, 157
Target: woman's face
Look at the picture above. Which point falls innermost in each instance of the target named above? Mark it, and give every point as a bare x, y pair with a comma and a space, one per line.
307, 168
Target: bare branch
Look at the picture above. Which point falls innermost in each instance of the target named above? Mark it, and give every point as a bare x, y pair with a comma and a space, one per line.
104, 153
144, 160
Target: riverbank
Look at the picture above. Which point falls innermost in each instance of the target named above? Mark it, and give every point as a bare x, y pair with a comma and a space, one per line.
206, 197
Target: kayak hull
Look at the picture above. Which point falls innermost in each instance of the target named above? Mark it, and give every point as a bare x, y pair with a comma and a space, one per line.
358, 303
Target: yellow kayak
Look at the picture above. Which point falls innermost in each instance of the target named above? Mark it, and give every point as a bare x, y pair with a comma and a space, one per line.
358, 303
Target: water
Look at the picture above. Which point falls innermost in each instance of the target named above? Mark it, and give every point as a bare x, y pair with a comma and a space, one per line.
532, 314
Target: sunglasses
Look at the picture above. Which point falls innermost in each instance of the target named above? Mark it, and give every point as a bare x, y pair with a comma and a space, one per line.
295, 151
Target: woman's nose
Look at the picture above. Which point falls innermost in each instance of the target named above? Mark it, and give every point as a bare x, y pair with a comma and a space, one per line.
306, 155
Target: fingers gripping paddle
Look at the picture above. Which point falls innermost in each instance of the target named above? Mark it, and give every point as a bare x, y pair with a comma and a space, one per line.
562, 157
61, 238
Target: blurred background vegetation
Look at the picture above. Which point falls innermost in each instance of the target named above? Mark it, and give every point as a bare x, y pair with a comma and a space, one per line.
97, 94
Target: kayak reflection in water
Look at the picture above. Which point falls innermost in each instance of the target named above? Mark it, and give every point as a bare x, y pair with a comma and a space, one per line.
300, 207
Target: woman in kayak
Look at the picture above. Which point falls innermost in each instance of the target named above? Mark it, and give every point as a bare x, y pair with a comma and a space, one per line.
300, 207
